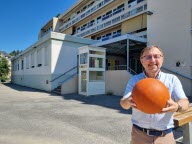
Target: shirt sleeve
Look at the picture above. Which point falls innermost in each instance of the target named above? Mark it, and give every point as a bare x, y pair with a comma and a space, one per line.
129, 88
178, 91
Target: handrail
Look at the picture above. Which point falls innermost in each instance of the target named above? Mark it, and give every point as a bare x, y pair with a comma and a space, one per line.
63, 74
176, 72
71, 76
121, 67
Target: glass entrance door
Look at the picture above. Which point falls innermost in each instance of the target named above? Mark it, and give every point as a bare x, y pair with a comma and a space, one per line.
83, 81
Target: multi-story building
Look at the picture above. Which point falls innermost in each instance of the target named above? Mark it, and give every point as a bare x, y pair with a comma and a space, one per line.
125, 27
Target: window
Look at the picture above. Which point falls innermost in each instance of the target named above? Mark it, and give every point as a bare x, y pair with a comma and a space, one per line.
83, 58
100, 4
46, 57
138, 1
96, 62
109, 12
32, 60
39, 58
132, 3
99, 19
17, 65
98, 38
108, 35
27, 61
96, 76
121, 6
119, 31
22, 64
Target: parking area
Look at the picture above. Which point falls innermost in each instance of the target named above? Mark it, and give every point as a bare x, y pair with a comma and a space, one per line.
30, 116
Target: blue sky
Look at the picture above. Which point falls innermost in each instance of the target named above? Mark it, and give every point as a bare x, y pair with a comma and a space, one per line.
21, 20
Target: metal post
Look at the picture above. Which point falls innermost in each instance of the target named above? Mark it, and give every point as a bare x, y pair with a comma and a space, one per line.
187, 133
128, 54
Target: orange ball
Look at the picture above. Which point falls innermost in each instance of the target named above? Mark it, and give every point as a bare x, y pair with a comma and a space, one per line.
150, 95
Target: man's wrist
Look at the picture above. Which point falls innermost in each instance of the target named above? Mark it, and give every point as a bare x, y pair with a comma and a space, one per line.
179, 107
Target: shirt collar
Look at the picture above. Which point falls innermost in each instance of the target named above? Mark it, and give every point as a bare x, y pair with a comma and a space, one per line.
157, 77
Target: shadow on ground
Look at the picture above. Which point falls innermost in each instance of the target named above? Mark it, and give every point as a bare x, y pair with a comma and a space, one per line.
108, 101
22, 88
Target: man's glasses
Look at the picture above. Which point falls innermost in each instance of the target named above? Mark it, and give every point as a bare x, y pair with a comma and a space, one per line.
155, 56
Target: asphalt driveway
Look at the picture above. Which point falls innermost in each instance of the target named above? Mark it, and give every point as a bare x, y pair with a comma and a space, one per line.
30, 116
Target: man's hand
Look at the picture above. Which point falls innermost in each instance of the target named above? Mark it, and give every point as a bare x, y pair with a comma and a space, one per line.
126, 103
171, 106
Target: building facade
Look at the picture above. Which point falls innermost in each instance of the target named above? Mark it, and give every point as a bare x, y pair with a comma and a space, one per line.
49, 62
125, 27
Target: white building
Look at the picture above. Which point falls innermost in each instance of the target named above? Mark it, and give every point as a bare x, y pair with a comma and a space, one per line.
49, 62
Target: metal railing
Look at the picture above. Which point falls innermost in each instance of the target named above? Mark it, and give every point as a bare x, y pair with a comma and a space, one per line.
64, 74
87, 12
121, 67
117, 18
178, 73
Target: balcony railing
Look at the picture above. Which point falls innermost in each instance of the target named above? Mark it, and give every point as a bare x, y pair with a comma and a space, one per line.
86, 13
122, 16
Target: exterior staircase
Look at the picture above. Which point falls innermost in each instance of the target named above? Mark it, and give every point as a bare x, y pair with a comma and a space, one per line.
63, 78
57, 90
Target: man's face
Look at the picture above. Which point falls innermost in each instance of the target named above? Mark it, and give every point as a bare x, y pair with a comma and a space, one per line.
152, 60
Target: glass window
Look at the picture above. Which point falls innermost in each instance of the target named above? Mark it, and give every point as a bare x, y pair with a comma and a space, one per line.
83, 81
27, 61
46, 56
98, 38
22, 64
96, 52
121, 6
32, 60
132, 3
96, 62
138, 1
39, 60
83, 58
96, 76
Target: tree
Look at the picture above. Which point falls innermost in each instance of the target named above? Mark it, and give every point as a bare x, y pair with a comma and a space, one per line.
4, 69
15, 52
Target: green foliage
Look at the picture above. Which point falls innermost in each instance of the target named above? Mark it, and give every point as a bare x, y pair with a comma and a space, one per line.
58, 15
4, 69
15, 52
109, 93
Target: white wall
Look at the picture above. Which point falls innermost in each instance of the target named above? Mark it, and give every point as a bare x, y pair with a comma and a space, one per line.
36, 77
70, 86
116, 81
169, 27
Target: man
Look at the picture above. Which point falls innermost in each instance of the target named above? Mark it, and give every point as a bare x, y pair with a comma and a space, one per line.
154, 128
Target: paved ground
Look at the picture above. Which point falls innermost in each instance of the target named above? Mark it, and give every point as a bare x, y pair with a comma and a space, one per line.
29, 116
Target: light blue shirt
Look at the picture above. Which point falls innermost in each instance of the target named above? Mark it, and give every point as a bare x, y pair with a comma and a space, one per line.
160, 121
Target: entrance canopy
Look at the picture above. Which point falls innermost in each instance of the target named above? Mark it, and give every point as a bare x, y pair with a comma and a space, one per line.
127, 47
121, 44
